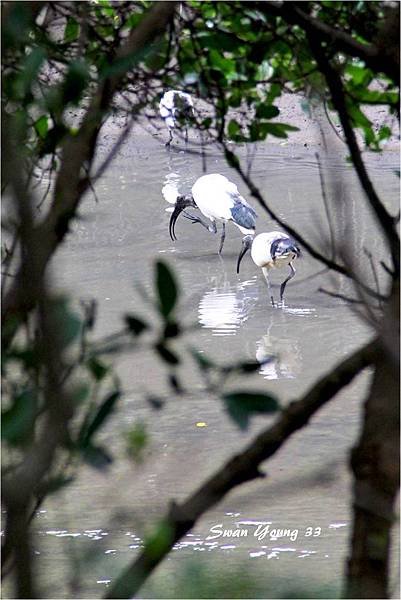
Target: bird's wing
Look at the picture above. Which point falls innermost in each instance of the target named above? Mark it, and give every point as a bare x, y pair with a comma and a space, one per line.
243, 215
238, 199
239, 203
164, 111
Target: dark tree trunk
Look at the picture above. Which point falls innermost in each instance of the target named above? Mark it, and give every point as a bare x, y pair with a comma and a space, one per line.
375, 463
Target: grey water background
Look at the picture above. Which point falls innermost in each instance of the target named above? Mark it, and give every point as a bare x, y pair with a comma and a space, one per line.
104, 518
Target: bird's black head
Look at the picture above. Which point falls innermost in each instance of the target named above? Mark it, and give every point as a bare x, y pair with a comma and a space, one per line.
182, 202
285, 248
246, 244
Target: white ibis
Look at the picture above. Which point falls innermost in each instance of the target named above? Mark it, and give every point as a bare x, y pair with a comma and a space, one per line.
218, 199
173, 107
271, 251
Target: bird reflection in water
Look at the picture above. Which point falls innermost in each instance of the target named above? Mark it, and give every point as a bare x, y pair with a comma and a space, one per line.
170, 189
224, 308
285, 355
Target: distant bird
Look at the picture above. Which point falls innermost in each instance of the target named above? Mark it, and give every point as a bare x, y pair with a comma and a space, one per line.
174, 107
218, 199
272, 250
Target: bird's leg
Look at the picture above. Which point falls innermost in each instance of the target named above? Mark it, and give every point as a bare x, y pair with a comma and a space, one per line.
223, 237
290, 276
212, 228
186, 135
170, 139
266, 276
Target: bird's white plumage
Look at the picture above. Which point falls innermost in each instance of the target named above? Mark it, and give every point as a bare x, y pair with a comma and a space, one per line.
169, 106
261, 246
215, 196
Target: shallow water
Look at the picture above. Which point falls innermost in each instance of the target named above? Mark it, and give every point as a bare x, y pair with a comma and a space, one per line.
306, 494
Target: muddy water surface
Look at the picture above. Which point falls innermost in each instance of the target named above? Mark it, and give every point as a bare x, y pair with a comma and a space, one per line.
291, 529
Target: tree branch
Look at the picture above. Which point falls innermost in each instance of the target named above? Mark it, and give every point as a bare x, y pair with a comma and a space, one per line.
241, 468
335, 86
255, 192
375, 462
70, 186
371, 54
19, 485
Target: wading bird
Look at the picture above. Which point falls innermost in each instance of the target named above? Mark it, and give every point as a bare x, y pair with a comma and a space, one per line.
218, 199
271, 251
174, 107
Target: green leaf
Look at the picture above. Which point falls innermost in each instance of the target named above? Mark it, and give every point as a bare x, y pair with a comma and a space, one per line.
220, 41
259, 130
267, 111
171, 330
68, 323
358, 117
235, 98
360, 75
241, 405
137, 439
30, 357
156, 544
384, 133
155, 402
273, 93
75, 82
30, 67
206, 123
167, 355
98, 369
135, 325
175, 383
204, 363
80, 393
33, 62
103, 412
166, 288
71, 30
97, 457
225, 65
17, 421
234, 129
41, 126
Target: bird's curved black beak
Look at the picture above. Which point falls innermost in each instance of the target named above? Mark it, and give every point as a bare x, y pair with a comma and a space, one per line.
246, 244
181, 203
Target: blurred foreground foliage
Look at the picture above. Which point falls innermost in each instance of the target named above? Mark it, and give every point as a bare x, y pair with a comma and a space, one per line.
66, 68
93, 386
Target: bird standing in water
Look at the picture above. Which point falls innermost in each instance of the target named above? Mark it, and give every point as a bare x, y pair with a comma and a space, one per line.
173, 107
218, 199
272, 250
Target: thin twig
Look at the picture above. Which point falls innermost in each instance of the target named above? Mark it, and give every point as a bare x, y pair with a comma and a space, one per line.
328, 117
341, 296
374, 271
335, 85
255, 192
326, 207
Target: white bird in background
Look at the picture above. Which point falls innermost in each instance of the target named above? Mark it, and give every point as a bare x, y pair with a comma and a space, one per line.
173, 107
218, 199
271, 251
